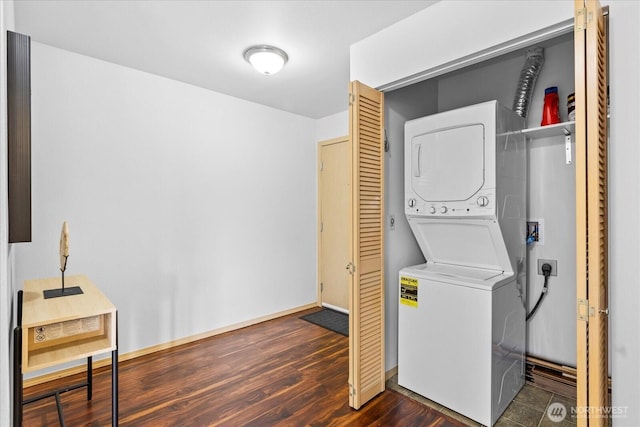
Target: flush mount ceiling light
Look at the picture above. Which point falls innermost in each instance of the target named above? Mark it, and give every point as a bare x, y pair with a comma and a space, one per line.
266, 59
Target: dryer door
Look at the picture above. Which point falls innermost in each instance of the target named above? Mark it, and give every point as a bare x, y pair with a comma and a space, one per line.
448, 164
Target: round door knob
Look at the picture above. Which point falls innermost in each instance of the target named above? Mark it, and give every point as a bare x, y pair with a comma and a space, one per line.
432, 210
482, 201
412, 202
443, 209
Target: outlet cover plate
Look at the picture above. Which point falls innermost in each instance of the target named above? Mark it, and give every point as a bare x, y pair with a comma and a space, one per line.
552, 262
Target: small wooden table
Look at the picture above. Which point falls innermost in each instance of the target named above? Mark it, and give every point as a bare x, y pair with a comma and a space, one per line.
58, 330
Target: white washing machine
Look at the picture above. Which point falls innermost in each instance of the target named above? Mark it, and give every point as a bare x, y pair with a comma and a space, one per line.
461, 337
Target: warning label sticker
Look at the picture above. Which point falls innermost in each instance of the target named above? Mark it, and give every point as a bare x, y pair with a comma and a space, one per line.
409, 291
60, 330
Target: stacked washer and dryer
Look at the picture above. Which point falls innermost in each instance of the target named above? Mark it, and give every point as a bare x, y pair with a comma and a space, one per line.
461, 325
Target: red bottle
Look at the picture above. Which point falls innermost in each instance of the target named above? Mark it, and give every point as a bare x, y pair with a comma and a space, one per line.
551, 110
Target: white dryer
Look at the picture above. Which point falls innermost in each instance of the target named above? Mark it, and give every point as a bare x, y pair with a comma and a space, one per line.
461, 337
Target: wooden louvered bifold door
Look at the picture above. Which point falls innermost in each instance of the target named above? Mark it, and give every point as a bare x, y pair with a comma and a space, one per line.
366, 290
591, 213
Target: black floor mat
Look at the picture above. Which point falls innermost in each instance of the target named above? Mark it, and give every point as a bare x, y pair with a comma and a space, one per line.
330, 319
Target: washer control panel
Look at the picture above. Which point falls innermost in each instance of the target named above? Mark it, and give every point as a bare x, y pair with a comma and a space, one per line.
482, 203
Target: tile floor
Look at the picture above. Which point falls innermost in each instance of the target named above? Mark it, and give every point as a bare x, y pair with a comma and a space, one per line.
528, 409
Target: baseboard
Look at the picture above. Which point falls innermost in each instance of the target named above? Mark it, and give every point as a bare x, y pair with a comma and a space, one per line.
164, 346
550, 376
335, 308
391, 372
553, 377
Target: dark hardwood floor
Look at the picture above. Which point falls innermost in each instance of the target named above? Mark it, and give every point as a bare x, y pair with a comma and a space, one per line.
284, 372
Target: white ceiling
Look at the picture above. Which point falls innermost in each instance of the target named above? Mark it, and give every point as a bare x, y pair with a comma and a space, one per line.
201, 42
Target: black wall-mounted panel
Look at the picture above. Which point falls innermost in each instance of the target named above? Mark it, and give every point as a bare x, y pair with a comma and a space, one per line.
19, 135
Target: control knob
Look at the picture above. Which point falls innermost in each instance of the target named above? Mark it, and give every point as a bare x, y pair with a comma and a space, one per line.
443, 209
482, 201
432, 209
412, 203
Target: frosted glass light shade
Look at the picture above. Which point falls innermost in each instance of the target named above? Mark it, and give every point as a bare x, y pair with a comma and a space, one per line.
265, 59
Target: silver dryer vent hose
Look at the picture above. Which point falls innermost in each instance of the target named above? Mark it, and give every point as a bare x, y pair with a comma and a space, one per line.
528, 77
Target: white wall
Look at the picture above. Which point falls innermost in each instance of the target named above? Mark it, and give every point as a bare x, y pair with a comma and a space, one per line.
404, 50
190, 209
446, 32
551, 333
333, 126
6, 288
401, 249
624, 207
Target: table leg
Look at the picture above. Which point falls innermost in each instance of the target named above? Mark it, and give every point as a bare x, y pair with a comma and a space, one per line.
89, 377
17, 377
114, 380
59, 406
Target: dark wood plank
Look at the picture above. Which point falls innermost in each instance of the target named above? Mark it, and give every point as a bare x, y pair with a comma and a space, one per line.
284, 372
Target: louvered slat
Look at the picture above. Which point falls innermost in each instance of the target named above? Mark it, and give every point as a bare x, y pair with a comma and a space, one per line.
366, 335
582, 342
591, 210
597, 210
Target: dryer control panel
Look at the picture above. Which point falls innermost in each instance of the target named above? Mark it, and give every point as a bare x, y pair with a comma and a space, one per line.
480, 204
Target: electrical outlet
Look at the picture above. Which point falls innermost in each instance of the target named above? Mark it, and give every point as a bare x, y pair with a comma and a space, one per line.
552, 262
